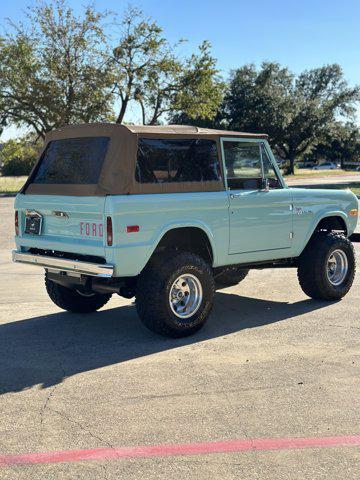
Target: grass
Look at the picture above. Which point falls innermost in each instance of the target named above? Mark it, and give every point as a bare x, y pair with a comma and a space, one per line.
11, 185
306, 173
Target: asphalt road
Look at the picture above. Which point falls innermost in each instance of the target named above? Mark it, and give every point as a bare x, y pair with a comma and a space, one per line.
270, 363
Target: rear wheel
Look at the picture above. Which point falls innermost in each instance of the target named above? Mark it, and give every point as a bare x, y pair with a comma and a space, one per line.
77, 301
175, 294
229, 276
327, 267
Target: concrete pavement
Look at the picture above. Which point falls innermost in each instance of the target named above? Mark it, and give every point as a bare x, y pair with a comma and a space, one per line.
270, 363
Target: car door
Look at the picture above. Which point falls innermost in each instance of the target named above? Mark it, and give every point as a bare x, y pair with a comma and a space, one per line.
260, 207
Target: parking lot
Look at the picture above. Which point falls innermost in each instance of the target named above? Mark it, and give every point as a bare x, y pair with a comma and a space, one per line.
270, 364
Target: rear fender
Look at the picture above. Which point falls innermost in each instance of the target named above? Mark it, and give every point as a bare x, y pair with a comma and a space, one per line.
193, 224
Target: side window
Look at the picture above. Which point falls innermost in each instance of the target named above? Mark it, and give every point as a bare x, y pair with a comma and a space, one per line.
243, 165
173, 160
269, 170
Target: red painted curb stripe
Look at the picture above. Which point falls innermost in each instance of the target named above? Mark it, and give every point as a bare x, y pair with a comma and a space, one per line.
229, 446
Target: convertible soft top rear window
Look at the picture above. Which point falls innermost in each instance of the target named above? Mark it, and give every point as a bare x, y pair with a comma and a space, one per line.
72, 161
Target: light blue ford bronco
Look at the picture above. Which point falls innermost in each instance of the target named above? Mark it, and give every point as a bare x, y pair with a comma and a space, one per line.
170, 213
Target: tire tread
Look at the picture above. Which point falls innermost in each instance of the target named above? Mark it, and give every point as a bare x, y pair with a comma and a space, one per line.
311, 272
70, 300
151, 283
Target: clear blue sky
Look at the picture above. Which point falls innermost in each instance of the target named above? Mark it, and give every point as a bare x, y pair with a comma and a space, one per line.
300, 34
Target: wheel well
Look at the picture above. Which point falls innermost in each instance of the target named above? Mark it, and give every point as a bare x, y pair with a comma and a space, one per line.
329, 224
189, 239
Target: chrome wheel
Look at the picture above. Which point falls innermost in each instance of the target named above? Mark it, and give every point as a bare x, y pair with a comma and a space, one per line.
337, 267
185, 295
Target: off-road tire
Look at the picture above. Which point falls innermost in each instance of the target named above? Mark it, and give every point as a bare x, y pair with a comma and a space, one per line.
153, 288
229, 276
73, 301
312, 267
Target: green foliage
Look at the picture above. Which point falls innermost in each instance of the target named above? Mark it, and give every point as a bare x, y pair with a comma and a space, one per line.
340, 143
63, 68
52, 71
296, 112
17, 157
60, 69
148, 70
200, 90
144, 66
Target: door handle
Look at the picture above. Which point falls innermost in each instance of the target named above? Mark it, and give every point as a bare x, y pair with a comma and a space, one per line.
233, 195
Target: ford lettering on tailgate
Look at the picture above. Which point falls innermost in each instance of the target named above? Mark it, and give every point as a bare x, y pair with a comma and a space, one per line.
89, 229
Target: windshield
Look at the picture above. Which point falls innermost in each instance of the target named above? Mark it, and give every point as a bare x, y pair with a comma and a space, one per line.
72, 161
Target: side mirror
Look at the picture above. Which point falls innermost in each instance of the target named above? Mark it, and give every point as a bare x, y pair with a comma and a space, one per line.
265, 186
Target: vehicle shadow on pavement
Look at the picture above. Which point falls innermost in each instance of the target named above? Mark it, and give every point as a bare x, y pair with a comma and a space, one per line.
45, 350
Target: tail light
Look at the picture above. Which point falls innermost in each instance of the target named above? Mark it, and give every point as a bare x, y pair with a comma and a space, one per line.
109, 231
16, 222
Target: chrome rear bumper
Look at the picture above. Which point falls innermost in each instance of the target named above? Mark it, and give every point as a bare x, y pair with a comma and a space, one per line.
64, 265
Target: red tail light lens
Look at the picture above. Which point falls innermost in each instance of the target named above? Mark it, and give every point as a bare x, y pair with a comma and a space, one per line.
16, 222
109, 231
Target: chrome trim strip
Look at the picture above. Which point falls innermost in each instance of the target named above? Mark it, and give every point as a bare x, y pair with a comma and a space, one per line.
64, 265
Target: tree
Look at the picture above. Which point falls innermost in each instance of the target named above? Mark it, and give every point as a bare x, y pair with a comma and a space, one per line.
148, 71
296, 112
17, 157
57, 70
158, 89
200, 89
54, 72
137, 59
340, 143
190, 88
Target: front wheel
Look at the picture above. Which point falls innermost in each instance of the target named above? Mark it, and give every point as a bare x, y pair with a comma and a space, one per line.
327, 267
175, 294
76, 301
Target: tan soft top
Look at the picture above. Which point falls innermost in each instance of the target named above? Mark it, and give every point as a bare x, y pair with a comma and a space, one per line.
117, 176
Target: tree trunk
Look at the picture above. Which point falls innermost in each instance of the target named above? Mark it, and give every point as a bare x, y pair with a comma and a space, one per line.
3, 124
292, 163
143, 113
121, 115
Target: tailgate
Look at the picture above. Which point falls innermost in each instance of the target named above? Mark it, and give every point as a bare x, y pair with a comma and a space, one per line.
68, 224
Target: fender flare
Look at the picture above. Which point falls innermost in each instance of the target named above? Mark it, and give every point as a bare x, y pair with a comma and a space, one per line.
187, 224
321, 216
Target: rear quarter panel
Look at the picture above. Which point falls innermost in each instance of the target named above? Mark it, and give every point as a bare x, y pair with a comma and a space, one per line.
155, 214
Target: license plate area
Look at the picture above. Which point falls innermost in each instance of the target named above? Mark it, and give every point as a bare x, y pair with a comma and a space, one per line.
33, 223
